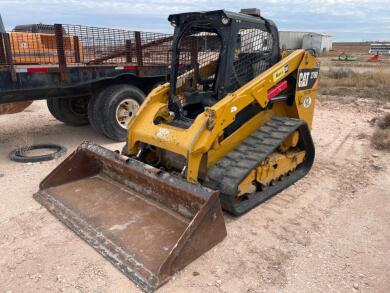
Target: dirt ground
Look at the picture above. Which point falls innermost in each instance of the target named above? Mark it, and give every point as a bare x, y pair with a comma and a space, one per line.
359, 49
330, 232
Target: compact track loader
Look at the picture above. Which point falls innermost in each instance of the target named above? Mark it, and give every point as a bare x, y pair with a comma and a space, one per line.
230, 129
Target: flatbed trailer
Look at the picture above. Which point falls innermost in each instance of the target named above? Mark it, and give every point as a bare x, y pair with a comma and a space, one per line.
87, 74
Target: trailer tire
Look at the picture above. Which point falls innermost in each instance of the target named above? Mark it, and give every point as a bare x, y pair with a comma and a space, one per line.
117, 104
71, 111
53, 110
95, 113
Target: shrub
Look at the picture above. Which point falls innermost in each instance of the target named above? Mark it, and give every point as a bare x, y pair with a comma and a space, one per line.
381, 137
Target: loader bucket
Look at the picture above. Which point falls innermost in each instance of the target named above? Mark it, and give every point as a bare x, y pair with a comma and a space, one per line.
146, 222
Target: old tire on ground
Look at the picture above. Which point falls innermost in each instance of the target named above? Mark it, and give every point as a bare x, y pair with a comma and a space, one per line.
113, 109
19, 154
72, 111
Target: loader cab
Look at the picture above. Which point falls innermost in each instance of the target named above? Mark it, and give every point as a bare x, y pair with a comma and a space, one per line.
219, 52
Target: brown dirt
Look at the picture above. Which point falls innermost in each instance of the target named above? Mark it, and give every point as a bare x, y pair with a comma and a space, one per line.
330, 232
355, 48
359, 50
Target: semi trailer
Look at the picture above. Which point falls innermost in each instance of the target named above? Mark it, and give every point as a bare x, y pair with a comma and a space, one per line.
87, 75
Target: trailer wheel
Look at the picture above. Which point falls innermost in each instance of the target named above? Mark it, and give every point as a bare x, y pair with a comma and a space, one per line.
95, 113
72, 111
52, 109
117, 104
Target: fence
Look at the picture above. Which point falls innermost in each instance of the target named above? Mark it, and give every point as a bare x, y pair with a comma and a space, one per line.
74, 44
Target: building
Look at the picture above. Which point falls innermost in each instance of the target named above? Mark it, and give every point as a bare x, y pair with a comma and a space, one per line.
291, 40
319, 42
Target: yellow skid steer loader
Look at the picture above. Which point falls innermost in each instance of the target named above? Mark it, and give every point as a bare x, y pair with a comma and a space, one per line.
231, 131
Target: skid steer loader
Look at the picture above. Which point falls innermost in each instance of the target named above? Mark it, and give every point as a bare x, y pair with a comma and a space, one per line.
231, 131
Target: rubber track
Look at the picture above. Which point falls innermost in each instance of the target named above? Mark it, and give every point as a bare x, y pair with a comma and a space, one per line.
227, 174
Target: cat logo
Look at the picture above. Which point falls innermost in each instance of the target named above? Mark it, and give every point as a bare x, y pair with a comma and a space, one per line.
303, 79
307, 78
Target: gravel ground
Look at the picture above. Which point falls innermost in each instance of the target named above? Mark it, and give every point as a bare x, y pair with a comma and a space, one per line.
330, 232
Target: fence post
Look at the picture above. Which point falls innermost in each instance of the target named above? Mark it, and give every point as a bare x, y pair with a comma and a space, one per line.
129, 53
59, 36
8, 55
138, 48
76, 46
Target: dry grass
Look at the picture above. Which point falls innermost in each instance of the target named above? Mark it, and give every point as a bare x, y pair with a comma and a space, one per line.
345, 81
381, 137
346, 77
384, 122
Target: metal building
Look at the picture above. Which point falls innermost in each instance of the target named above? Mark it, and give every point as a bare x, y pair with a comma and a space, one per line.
319, 42
290, 40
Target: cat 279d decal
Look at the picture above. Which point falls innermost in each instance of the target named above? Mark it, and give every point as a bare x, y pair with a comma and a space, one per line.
307, 78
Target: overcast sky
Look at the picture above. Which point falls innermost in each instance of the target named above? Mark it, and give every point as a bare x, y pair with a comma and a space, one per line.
346, 20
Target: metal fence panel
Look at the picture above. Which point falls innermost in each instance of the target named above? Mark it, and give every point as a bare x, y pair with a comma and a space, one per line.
75, 44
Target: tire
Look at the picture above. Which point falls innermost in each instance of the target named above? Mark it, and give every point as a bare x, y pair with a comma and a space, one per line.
18, 155
71, 111
111, 102
51, 105
95, 111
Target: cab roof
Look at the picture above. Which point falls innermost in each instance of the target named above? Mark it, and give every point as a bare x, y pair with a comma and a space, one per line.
189, 16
